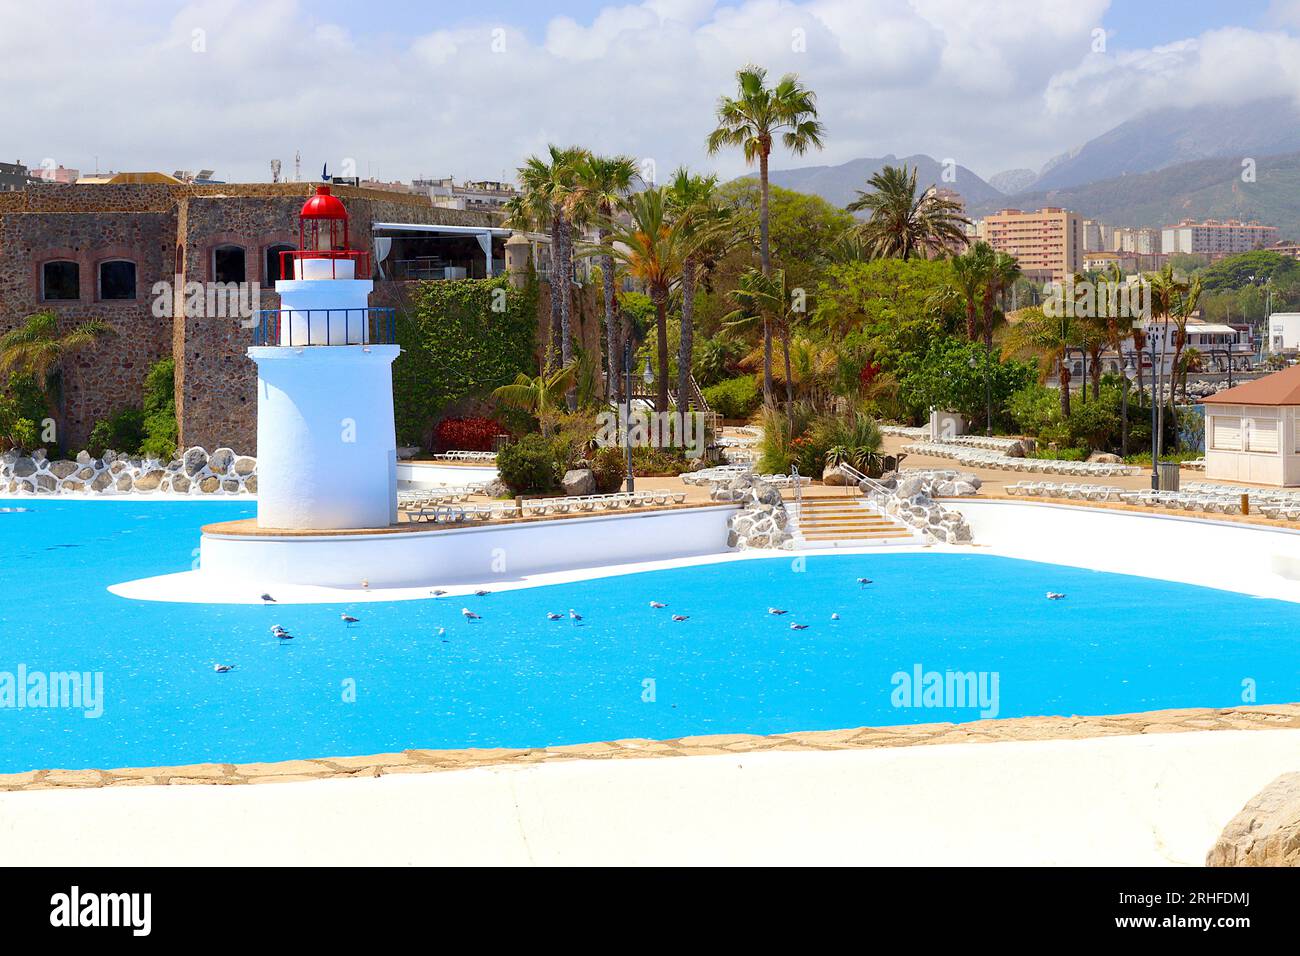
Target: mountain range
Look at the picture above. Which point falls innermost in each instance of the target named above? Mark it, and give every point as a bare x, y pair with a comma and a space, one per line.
1153, 170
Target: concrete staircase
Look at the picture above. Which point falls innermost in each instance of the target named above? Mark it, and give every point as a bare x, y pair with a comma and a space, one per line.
845, 522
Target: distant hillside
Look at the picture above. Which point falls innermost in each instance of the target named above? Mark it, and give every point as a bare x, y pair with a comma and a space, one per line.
1207, 188
1166, 137
839, 184
1013, 180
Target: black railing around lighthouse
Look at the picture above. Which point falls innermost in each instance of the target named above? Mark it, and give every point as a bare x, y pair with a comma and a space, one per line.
300, 328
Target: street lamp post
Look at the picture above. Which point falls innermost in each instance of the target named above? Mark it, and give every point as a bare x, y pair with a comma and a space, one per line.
988, 392
1155, 473
1129, 372
627, 411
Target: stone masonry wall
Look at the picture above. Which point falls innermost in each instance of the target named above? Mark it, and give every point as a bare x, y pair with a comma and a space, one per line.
163, 229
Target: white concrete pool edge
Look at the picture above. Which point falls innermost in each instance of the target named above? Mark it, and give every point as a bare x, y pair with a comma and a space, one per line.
1158, 800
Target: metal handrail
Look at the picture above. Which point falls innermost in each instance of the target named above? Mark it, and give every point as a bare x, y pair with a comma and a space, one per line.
798, 490
878, 489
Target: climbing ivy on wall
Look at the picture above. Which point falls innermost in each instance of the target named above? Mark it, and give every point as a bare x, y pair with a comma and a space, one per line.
455, 345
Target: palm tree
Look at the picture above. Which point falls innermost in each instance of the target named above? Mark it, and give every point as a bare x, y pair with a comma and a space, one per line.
650, 245
1047, 339
762, 298
539, 395
1003, 272
752, 120
37, 349
1169, 296
549, 186
702, 221
602, 182
971, 269
901, 223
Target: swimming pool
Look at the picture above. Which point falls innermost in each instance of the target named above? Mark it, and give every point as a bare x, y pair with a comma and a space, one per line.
1115, 644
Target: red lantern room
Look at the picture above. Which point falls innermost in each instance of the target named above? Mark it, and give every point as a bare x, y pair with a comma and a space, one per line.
323, 242
323, 223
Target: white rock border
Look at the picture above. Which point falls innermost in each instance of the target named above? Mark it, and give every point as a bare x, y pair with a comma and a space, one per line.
194, 472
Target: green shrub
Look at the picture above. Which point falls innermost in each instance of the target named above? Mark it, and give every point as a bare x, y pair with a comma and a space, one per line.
22, 409
609, 466
456, 344
734, 398
531, 465
160, 428
124, 430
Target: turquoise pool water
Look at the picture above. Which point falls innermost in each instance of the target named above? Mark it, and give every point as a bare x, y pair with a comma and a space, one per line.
1115, 644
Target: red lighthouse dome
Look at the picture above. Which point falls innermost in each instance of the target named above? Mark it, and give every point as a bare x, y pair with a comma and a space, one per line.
324, 248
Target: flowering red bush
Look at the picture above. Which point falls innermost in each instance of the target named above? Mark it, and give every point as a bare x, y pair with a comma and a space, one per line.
466, 434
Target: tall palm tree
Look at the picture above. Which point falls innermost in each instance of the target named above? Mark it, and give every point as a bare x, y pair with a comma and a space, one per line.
549, 185
37, 349
702, 220
1168, 293
650, 244
971, 269
752, 120
1046, 338
901, 223
539, 395
602, 182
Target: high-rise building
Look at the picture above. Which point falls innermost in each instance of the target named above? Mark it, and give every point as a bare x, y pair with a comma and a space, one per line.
1142, 241
1047, 243
1096, 236
1215, 237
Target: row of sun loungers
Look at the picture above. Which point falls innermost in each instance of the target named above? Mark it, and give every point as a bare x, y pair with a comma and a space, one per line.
987, 442
427, 497
980, 458
1174, 500
457, 514
467, 456
636, 499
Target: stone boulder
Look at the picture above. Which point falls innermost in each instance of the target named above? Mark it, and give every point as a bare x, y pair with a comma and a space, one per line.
579, 481
250, 484
831, 475
1267, 830
219, 461
1106, 458
149, 482
245, 466
180, 484
24, 467
83, 458
195, 459
63, 469
210, 485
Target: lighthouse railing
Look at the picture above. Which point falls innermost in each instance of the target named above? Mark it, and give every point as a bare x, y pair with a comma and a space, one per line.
301, 328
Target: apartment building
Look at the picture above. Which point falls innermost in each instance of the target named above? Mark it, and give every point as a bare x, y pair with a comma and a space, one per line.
1138, 241
1048, 243
1213, 237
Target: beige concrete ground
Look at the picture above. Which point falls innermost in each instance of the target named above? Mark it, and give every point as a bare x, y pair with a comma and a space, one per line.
1134, 800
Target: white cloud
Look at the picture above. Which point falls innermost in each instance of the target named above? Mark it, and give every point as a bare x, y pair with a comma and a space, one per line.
989, 83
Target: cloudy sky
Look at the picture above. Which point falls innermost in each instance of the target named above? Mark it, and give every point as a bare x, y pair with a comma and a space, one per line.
410, 87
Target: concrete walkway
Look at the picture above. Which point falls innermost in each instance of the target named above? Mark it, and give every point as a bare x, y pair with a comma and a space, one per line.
1118, 801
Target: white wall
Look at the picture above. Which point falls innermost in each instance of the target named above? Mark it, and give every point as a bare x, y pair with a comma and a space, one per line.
415, 475
1232, 556
465, 555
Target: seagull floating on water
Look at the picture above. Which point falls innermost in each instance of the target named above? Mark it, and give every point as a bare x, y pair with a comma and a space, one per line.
349, 620
835, 617
575, 615
437, 592
223, 668
482, 593
681, 617
658, 604
552, 616
268, 599
864, 581
281, 633
1054, 595
798, 627
776, 610
441, 632
470, 615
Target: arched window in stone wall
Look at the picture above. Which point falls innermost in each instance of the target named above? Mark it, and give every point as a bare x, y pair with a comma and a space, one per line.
117, 280
60, 281
272, 272
228, 264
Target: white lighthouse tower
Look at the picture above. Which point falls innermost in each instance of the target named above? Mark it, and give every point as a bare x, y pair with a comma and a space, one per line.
326, 445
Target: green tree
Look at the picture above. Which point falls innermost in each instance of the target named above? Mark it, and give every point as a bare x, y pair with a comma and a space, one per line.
752, 120
902, 223
36, 348
542, 396
1046, 339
